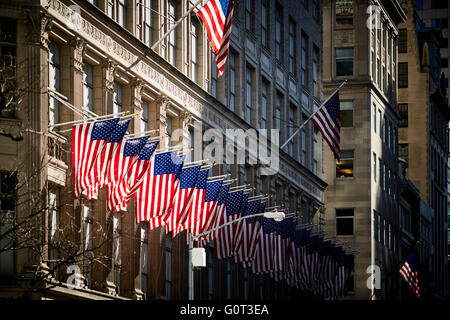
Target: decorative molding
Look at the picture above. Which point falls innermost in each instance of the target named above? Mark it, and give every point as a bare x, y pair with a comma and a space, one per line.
186, 118
40, 26
137, 85
78, 45
109, 68
163, 103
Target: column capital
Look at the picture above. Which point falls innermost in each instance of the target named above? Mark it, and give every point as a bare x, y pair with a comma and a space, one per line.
109, 67
186, 118
137, 85
163, 103
39, 27
78, 44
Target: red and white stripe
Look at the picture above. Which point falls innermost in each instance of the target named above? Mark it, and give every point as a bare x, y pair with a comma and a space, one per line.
330, 129
222, 55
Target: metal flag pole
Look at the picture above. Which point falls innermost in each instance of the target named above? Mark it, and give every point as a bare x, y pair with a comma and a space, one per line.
176, 25
306, 121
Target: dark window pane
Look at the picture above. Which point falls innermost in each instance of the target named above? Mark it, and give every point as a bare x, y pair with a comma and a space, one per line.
344, 226
344, 212
403, 75
402, 41
403, 110
344, 167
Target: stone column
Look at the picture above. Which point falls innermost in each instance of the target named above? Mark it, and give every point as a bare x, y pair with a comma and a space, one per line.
34, 116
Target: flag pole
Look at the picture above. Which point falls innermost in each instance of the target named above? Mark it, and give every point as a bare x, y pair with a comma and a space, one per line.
303, 124
175, 25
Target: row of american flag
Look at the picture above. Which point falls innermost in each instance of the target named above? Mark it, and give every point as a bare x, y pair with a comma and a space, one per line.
180, 197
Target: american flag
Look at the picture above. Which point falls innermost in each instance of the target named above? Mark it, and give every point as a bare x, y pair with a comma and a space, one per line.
327, 121
207, 217
219, 214
224, 239
121, 162
408, 272
246, 239
217, 16
183, 197
87, 141
237, 227
154, 194
98, 173
192, 212
135, 174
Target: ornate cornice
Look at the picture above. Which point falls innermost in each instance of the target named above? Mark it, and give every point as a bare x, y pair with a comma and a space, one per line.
39, 27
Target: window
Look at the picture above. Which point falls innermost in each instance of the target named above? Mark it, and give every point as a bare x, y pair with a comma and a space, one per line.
117, 249
344, 12
173, 35
148, 23
374, 117
264, 24
305, 59
384, 177
122, 13
403, 74
380, 173
277, 115
292, 111
144, 258
8, 185
264, 105
346, 113
403, 151
278, 33
314, 168
214, 74
316, 9
380, 126
344, 167
232, 79
344, 222
88, 238
248, 109
375, 225
194, 50
144, 116
402, 41
88, 87
249, 15
304, 141
374, 167
169, 130
54, 81
344, 62
292, 58
8, 89
389, 138
316, 72
117, 98
168, 261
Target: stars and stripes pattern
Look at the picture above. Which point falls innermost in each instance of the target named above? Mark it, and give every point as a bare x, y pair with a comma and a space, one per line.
87, 141
123, 159
217, 16
327, 121
102, 161
154, 194
182, 198
408, 272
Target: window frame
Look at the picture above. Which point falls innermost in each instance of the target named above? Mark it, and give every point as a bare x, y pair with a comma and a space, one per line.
348, 217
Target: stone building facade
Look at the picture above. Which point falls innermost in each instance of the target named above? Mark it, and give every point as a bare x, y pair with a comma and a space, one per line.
362, 195
96, 56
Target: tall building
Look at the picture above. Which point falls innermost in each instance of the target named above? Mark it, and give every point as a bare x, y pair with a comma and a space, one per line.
96, 56
362, 195
423, 137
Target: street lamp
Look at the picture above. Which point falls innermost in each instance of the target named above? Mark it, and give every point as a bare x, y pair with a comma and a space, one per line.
275, 215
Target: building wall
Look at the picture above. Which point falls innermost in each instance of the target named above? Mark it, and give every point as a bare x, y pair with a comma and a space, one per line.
119, 55
362, 192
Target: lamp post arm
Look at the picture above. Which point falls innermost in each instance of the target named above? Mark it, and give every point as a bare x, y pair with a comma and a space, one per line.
195, 238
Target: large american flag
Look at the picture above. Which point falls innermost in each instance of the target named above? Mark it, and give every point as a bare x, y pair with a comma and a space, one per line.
217, 16
121, 162
327, 121
183, 197
408, 272
246, 239
154, 194
224, 238
87, 141
219, 214
237, 227
206, 218
135, 174
97, 177
192, 212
